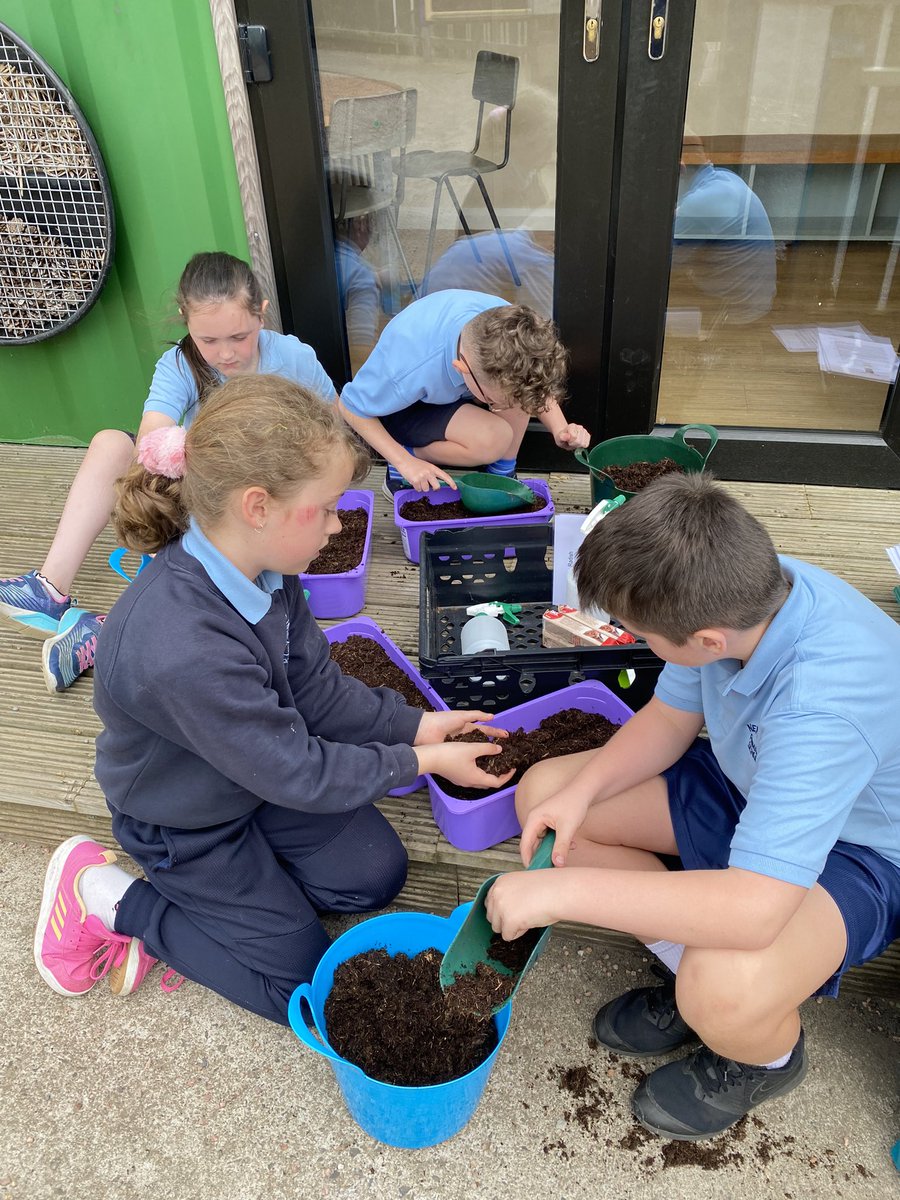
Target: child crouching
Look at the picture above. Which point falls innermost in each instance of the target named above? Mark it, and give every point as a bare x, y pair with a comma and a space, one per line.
786, 819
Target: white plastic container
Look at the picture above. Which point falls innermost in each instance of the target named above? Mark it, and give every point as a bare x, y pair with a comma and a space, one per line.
483, 633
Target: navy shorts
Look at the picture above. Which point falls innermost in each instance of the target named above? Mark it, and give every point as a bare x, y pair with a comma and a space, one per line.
705, 806
421, 424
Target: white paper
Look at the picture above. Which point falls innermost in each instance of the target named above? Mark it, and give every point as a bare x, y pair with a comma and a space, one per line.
804, 339
683, 322
566, 540
893, 553
862, 356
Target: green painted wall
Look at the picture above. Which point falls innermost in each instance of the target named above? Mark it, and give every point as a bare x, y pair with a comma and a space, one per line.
146, 76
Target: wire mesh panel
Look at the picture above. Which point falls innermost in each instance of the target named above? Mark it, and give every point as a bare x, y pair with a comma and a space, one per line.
56, 215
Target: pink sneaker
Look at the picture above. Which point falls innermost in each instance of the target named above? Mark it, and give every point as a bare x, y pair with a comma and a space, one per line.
72, 950
128, 976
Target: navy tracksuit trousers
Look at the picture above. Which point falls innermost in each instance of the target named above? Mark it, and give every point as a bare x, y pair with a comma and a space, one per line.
234, 907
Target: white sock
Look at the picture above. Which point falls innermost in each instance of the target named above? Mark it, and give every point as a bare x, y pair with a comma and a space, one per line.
53, 592
779, 1062
101, 890
668, 953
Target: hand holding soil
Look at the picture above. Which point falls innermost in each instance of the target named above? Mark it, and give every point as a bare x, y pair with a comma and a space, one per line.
462, 763
436, 726
565, 732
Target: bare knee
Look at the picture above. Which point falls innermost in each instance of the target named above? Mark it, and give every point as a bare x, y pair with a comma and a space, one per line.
536, 784
721, 992
487, 443
110, 447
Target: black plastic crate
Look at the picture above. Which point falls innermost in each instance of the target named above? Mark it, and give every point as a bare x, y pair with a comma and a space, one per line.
461, 567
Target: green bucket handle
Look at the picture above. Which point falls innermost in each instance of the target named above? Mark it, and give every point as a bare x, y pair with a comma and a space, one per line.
582, 457
709, 430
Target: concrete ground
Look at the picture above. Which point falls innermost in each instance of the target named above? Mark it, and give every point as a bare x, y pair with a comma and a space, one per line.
186, 1096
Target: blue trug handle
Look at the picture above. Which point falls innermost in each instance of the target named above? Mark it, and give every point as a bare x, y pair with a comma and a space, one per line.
115, 561
303, 992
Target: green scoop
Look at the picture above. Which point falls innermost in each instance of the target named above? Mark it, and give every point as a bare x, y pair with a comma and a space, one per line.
471, 945
488, 494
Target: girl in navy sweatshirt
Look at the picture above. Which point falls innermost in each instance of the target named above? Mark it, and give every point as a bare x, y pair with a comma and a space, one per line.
240, 765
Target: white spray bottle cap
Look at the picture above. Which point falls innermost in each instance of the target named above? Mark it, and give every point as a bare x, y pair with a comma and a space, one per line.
603, 509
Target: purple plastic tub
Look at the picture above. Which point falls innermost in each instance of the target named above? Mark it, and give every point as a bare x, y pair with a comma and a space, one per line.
478, 824
411, 531
366, 627
345, 594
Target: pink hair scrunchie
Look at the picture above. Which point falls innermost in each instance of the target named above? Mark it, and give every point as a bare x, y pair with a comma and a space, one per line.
162, 451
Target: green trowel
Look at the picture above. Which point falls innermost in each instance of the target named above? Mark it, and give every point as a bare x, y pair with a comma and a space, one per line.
471, 945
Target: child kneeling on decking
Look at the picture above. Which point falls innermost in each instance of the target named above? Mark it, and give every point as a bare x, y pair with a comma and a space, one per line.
239, 764
786, 820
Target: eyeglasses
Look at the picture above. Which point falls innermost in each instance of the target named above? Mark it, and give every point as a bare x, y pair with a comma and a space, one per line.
492, 404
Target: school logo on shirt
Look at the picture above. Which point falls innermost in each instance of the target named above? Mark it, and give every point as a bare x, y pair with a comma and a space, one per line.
751, 745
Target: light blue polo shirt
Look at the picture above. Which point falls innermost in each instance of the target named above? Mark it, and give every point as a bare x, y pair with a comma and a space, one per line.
173, 390
808, 729
413, 359
251, 598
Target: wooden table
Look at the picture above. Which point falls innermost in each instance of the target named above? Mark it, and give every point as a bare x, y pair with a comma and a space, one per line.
335, 86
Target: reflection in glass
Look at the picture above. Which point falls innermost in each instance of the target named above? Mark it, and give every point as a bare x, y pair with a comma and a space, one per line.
723, 263
365, 50
480, 263
793, 323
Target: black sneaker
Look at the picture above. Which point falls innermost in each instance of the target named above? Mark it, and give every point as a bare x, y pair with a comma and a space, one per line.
393, 484
704, 1094
645, 1021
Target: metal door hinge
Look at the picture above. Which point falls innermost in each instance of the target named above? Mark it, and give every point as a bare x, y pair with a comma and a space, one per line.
253, 41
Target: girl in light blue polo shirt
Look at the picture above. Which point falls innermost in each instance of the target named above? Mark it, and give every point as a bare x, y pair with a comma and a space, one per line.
222, 305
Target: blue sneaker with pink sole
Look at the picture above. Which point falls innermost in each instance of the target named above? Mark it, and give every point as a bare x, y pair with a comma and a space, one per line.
25, 600
70, 652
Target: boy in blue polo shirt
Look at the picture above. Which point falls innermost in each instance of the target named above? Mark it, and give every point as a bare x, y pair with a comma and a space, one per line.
453, 381
786, 820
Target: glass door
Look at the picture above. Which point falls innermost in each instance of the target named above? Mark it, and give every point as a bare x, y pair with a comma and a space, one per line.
784, 298
756, 239
706, 197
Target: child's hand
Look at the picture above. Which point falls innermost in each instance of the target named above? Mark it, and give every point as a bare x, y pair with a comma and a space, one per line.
518, 902
562, 812
436, 726
572, 437
456, 761
424, 476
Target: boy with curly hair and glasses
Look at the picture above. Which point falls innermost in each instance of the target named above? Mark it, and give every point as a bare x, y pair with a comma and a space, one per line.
452, 382
786, 819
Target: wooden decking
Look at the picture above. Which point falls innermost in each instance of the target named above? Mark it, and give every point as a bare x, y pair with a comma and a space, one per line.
47, 788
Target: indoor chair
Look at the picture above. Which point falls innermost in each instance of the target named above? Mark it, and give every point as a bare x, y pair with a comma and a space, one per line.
363, 132
495, 82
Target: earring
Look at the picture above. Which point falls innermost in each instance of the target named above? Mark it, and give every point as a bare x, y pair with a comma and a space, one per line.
260, 527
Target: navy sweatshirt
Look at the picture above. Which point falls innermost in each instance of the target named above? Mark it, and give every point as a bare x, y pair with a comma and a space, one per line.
206, 715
